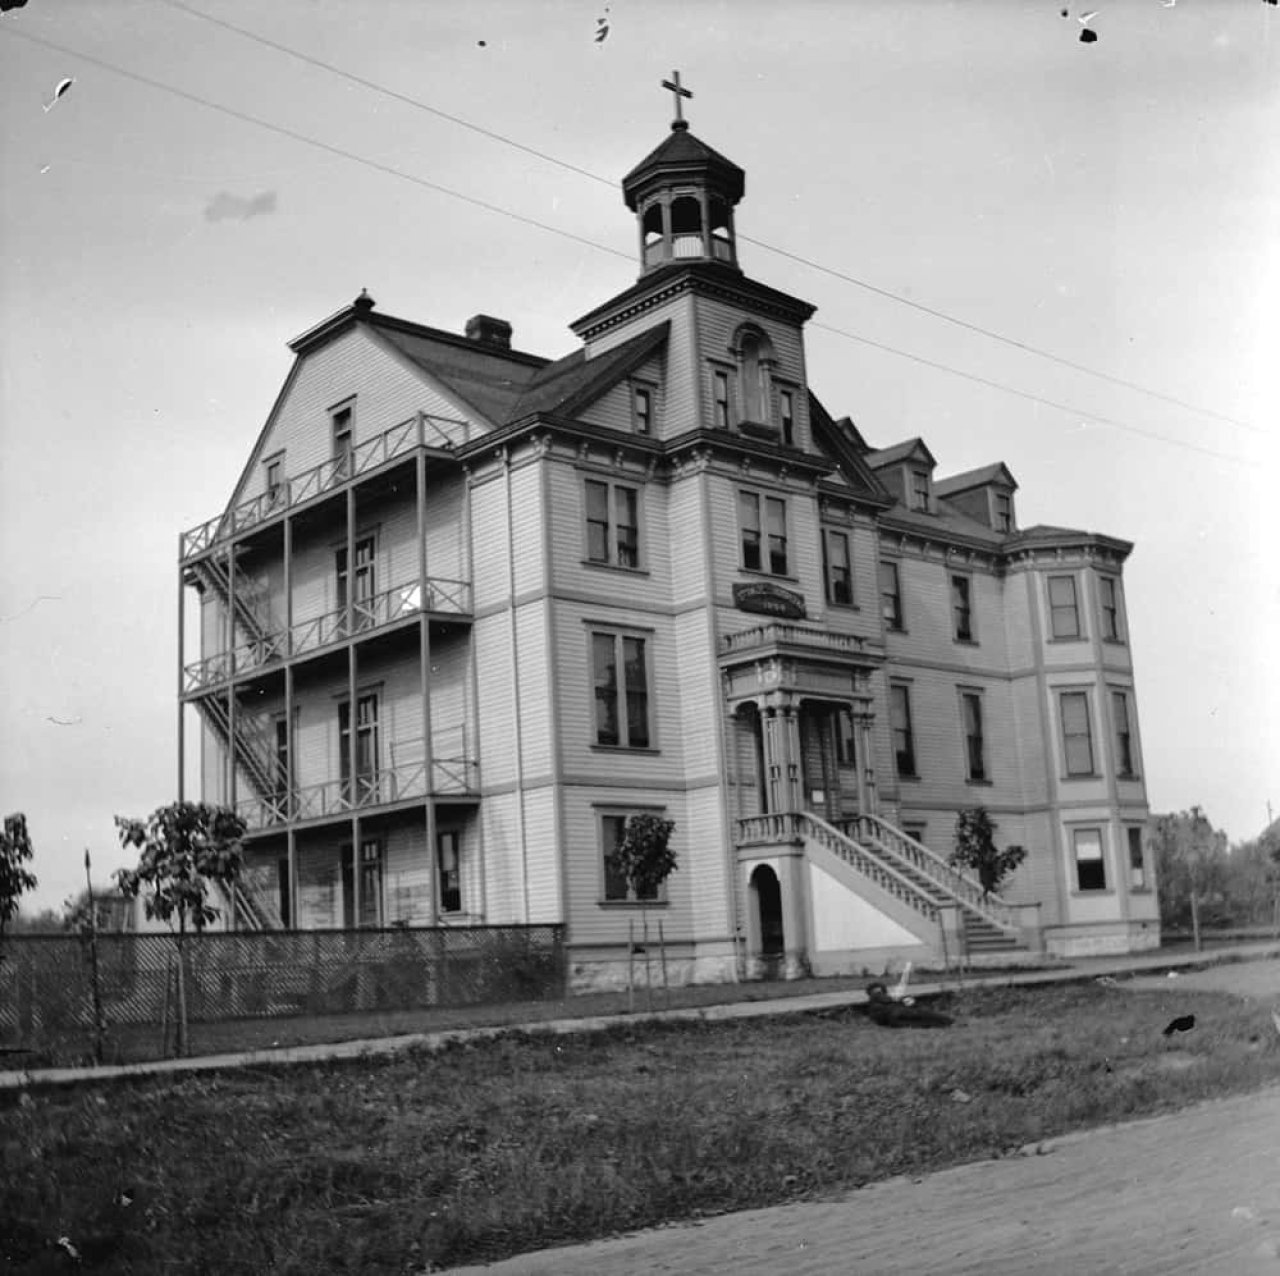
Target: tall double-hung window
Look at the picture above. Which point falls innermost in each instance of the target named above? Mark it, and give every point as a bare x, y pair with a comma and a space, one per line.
620, 677
613, 524
763, 522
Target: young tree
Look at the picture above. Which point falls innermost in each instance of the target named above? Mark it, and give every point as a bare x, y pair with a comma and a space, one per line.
185, 847
644, 859
976, 849
1190, 862
15, 878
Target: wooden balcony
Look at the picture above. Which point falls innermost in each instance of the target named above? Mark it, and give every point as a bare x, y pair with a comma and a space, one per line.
388, 786
421, 431
777, 637
364, 616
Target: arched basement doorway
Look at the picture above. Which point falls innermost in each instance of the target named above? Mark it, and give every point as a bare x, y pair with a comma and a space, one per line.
766, 898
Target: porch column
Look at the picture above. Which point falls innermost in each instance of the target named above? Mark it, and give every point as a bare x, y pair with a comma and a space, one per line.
771, 725
868, 801
791, 731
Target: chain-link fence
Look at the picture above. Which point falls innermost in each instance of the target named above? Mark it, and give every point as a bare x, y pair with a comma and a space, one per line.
46, 981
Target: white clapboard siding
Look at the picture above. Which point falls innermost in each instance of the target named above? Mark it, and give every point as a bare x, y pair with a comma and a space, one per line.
495, 715
386, 390
527, 514
489, 541
686, 553
543, 855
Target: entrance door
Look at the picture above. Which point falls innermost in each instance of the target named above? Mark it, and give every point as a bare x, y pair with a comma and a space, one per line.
767, 895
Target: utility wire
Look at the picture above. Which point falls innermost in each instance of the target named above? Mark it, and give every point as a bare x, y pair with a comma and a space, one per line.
746, 239
590, 243
1034, 398
312, 141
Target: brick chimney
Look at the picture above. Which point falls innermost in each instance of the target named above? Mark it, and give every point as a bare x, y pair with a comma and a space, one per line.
489, 331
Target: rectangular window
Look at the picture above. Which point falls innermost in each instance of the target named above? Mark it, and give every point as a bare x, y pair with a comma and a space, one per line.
786, 403
904, 749
836, 568
1091, 867
613, 528
1004, 512
974, 744
281, 769
916, 832
961, 613
920, 490
1064, 615
274, 472
1124, 735
1137, 864
616, 891
1077, 738
846, 738
770, 539
890, 595
1109, 595
357, 595
448, 863
370, 884
343, 442
720, 386
622, 704
642, 405
365, 787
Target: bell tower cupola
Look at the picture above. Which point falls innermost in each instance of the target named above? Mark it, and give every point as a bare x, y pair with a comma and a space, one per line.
683, 195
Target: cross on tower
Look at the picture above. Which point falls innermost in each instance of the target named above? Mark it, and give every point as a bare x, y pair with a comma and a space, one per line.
674, 85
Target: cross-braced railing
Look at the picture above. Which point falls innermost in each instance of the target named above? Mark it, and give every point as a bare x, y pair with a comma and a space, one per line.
422, 430
362, 616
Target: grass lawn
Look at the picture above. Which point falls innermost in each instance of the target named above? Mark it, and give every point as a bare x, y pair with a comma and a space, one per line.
419, 1161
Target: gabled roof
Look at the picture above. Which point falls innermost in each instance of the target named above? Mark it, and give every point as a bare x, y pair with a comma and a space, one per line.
913, 449
570, 384
987, 475
839, 440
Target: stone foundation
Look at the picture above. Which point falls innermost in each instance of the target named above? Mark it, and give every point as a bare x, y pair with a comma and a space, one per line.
609, 974
1113, 940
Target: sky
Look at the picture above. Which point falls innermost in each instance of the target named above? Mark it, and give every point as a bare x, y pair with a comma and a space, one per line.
1114, 204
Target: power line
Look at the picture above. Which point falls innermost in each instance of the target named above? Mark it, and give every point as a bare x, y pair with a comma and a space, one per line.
1034, 398
886, 293
313, 141
590, 243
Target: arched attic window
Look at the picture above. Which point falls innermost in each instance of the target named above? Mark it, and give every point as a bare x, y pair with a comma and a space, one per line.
651, 229
686, 227
754, 353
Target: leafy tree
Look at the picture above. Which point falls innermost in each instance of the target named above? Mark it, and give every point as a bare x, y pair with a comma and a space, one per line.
1190, 865
976, 849
644, 859
185, 847
15, 878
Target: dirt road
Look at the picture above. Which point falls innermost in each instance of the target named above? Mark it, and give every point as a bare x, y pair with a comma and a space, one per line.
1193, 1192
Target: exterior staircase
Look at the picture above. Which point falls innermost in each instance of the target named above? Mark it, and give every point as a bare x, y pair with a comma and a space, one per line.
912, 882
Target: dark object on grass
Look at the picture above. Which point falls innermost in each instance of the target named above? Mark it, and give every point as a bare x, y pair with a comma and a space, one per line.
1184, 1023
1087, 36
882, 1009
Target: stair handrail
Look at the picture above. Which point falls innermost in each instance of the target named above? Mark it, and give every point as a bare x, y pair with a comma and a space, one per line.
968, 890
859, 858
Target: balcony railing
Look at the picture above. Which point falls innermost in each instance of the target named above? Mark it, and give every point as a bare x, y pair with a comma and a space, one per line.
422, 430
363, 616
782, 634
382, 787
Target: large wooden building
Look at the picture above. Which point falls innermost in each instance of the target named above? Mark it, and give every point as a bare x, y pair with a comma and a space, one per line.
469, 608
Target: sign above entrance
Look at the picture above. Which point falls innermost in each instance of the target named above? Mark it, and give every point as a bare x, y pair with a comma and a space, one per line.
769, 600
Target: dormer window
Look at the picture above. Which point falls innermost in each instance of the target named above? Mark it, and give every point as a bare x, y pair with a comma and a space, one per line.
1003, 504
787, 410
920, 490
